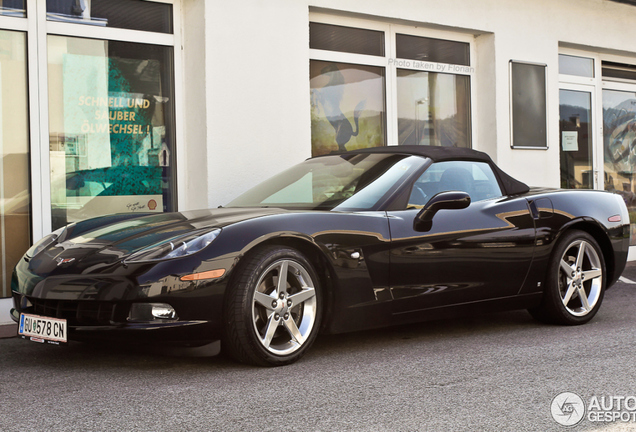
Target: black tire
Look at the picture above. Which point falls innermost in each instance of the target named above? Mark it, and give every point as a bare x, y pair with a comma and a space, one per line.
255, 302
567, 279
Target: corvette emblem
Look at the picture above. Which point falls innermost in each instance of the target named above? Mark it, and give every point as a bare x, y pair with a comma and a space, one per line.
61, 261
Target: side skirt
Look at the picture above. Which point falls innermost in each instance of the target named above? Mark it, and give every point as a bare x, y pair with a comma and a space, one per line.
523, 301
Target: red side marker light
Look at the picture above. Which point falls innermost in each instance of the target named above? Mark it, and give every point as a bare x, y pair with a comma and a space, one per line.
615, 218
213, 274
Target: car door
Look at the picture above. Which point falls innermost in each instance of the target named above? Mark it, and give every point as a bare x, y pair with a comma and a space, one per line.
476, 253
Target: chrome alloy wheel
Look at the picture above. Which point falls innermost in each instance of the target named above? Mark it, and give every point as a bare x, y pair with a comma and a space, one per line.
580, 278
284, 307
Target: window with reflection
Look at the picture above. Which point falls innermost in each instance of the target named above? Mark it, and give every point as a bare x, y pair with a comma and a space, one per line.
15, 198
575, 111
619, 148
347, 106
428, 86
432, 50
346, 39
127, 14
111, 126
13, 8
575, 65
433, 108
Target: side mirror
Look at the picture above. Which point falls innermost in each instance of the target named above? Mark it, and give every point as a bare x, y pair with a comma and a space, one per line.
453, 200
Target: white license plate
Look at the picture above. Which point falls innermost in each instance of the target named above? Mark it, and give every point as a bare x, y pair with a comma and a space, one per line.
42, 329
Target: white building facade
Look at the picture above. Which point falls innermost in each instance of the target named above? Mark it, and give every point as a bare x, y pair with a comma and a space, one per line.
132, 105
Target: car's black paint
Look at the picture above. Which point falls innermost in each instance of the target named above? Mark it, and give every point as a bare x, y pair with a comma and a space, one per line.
377, 268
474, 254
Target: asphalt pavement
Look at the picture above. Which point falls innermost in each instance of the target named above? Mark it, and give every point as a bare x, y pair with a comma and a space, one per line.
497, 372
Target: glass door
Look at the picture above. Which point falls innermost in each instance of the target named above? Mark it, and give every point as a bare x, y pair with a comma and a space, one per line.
15, 198
576, 137
619, 145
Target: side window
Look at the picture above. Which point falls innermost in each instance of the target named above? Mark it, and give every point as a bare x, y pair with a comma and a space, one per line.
474, 178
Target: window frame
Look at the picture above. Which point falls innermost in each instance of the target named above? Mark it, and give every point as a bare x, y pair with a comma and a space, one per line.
511, 96
578, 79
390, 31
38, 29
595, 88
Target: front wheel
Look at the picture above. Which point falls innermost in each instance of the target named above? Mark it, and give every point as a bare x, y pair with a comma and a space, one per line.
575, 281
273, 308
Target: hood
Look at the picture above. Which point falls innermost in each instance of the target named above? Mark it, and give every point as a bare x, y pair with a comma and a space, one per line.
98, 243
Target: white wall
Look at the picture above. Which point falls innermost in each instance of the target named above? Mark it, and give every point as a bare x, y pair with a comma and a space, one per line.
247, 115
192, 170
5, 307
256, 94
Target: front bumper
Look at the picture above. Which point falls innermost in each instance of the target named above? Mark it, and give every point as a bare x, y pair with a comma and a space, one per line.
174, 333
97, 307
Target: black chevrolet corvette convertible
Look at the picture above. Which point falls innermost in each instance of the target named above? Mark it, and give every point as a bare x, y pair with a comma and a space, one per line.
342, 242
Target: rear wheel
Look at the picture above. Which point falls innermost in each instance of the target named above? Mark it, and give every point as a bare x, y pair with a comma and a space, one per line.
575, 283
273, 309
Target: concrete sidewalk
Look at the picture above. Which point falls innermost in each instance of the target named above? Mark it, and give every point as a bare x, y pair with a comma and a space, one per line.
7, 331
629, 275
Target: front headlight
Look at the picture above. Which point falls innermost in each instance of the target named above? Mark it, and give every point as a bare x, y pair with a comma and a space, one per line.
175, 247
44, 242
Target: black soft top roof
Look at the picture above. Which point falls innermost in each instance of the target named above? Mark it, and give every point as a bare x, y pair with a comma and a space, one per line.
509, 185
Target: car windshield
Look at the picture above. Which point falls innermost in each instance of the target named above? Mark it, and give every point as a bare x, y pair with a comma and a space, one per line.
338, 182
